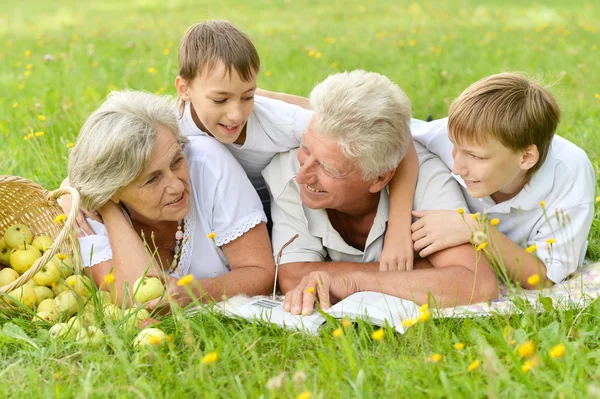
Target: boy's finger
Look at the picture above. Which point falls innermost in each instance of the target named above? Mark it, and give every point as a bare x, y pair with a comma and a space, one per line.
417, 225
420, 214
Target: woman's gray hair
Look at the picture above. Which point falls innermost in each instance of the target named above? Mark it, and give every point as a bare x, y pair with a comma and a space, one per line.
368, 114
115, 143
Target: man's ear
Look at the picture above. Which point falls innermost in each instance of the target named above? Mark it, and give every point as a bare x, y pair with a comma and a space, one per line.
182, 88
381, 181
530, 157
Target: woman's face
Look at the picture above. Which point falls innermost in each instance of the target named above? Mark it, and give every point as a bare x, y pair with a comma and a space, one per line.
162, 191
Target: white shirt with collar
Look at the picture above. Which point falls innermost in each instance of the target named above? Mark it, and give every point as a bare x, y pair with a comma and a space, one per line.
273, 126
565, 183
222, 201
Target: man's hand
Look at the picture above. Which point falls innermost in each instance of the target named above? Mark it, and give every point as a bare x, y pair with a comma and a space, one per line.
327, 288
437, 230
398, 255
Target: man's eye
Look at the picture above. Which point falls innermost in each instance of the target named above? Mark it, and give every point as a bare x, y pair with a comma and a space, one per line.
178, 161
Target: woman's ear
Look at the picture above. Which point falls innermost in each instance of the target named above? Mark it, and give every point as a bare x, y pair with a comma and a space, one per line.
182, 88
530, 157
115, 199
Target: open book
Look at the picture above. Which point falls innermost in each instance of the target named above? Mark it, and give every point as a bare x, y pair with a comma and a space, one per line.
375, 307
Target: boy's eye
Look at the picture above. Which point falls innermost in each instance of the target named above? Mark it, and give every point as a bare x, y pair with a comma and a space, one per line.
248, 98
475, 157
220, 101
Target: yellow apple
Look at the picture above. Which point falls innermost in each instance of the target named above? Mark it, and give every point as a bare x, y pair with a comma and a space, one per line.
59, 330
59, 287
65, 263
67, 303
80, 284
22, 259
23, 294
4, 253
7, 276
106, 297
150, 337
91, 336
147, 288
47, 275
112, 313
43, 243
43, 293
17, 234
47, 305
134, 316
49, 317
31, 283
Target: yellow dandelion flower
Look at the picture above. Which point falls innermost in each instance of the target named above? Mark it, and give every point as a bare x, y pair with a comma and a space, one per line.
25, 138
185, 280
318, 55
598, 198
39, 134
21, 86
481, 246
534, 279
474, 366
15, 105
304, 395
311, 290
378, 335
95, 64
41, 117
557, 351
526, 349
380, 35
412, 43
424, 307
333, 65
331, 40
459, 346
30, 136
152, 70
62, 256
27, 73
543, 204
268, 73
597, 96
109, 278
424, 316
528, 365
154, 340
550, 241
461, 211
511, 342
531, 248
210, 358
29, 67
60, 218
311, 53
475, 216
211, 235
346, 322
436, 358
409, 322
166, 51
494, 221
69, 144
27, 53
337, 332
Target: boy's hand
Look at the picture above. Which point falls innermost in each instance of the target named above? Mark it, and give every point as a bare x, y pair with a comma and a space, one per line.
437, 230
397, 256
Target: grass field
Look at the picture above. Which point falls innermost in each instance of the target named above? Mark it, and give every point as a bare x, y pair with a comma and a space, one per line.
60, 59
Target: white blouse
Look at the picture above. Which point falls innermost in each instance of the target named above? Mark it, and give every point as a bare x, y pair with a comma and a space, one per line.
223, 201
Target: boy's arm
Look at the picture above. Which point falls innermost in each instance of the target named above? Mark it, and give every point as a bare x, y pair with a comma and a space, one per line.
398, 253
288, 98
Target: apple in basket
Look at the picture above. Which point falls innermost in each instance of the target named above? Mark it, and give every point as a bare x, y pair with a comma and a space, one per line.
47, 275
43, 243
24, 294
147, 288
4, 253
17, 234
22, 259
7, 276
80, 284
42, 293
65, 263
67, 303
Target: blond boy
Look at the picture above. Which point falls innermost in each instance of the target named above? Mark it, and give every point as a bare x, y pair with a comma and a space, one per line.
533, 190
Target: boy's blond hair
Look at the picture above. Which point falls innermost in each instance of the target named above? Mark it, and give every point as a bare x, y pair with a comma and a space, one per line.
205, 44
509, 107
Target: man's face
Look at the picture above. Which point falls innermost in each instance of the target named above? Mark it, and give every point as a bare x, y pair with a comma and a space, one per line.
489, 170
327, 178
222, 102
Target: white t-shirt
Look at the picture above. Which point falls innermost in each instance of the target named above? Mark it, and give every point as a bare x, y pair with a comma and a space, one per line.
565, 182
273, 126
222, 201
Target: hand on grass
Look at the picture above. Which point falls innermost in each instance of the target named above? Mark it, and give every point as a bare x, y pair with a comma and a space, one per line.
437, 230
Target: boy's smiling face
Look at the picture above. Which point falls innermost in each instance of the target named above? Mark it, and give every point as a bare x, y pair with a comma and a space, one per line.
492, 169
222, 102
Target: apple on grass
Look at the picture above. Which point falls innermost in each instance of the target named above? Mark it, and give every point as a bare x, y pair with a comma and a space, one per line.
150, 337
47, 275
42, 293
112, 313
49, 317
91, 336
43, 243
147, 288
135, 316
67, 303
4, 253
8, 276
24, 294
17, 234
22, 259
80, 284
47, 305
59, 330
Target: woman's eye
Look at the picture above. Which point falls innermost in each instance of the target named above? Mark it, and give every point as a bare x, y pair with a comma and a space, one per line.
152, 180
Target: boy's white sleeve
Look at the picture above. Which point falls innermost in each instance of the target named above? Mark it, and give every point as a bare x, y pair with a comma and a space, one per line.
561, 239
434, 136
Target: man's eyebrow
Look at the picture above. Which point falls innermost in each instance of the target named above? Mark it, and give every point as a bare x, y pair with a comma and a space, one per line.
331, 168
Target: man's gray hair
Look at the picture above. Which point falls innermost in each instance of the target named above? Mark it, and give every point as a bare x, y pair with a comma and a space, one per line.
368, 114
115, 143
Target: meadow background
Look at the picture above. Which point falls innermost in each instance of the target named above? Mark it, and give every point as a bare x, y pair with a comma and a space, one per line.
58, 60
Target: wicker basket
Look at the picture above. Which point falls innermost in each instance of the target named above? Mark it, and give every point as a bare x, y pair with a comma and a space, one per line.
23, 201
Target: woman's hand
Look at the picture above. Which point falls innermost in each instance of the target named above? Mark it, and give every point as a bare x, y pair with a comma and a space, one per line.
66, 203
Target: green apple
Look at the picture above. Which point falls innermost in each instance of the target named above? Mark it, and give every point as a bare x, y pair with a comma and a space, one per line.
31, 283
59, 330
47, 275
24, 294
47, 305
147, 288
135, 315
4, 253
49, 317
75, 324
7, 276
67, 303
91, 336
65, 263
17, 234
43, 243
43, 293
112, 313
150, 337
59, 287
80, 284
22, 259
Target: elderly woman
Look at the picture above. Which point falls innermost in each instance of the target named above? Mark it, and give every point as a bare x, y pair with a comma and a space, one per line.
167, 204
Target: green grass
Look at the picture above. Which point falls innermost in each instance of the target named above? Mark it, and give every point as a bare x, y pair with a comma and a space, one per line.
433, 50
